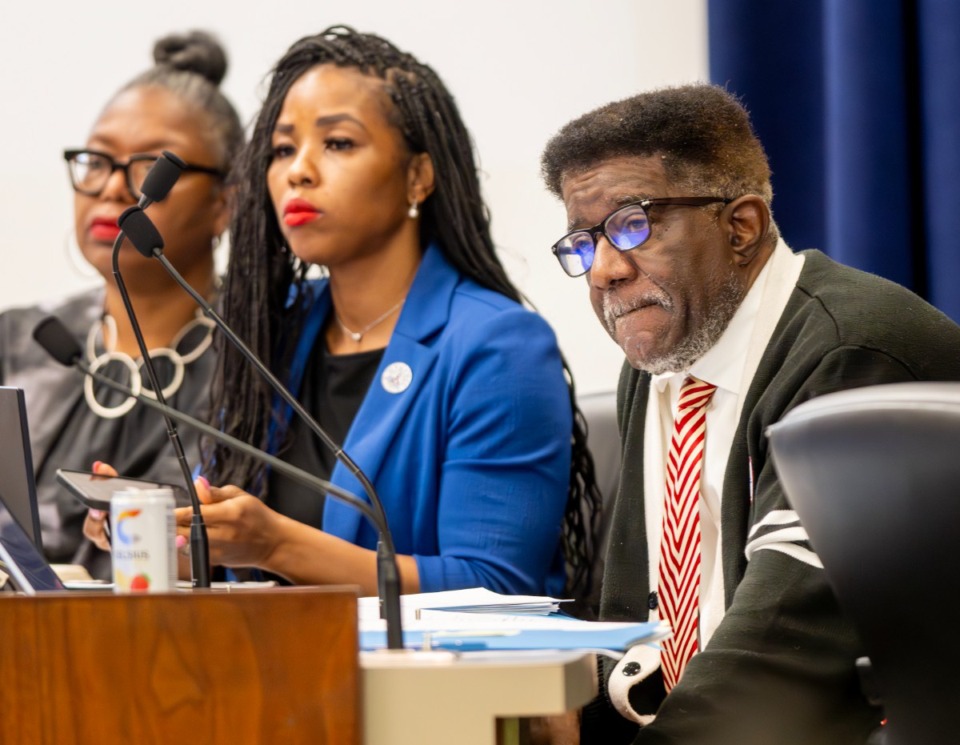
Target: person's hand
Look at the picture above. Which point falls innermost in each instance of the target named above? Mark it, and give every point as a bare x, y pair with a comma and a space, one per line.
94, 525
241, 530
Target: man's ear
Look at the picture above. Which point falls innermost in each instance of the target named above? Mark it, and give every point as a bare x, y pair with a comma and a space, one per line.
420, 178
746, 221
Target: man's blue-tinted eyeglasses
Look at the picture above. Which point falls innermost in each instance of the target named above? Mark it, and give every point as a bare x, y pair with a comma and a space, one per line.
625, 228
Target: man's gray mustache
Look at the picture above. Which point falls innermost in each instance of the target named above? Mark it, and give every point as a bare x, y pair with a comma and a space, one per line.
614, 307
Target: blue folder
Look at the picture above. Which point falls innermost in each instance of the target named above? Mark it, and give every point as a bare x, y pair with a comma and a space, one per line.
615, 640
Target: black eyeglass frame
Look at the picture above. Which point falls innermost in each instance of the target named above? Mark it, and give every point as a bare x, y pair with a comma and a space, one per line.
643, 204
70, 157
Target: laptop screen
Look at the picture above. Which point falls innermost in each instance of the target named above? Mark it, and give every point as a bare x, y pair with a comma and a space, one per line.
21, 559
17, 486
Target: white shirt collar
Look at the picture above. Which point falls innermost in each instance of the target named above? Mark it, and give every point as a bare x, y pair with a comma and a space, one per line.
731, 365
724, 364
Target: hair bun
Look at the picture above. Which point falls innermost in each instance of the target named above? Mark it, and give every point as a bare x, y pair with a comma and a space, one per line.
194, 51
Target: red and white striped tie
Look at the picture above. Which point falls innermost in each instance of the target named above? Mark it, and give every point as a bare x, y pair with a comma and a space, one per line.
679, 585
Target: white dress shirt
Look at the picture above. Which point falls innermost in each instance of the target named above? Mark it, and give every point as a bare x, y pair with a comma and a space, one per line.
730, 365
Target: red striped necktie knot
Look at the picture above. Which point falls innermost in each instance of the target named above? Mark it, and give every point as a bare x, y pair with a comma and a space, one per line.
679, 580
695, 394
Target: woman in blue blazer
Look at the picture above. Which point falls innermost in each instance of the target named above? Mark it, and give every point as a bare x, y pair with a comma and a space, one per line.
414, 350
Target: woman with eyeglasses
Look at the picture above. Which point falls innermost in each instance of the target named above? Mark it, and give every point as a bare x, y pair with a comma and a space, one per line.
413, 349
176, 105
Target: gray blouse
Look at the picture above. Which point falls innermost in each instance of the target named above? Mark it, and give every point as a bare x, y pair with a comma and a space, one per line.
66, 433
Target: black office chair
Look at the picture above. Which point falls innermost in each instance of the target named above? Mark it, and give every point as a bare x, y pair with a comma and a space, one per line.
874, 474
603, 440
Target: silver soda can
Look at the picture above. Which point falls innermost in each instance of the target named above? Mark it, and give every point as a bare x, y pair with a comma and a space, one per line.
143, 531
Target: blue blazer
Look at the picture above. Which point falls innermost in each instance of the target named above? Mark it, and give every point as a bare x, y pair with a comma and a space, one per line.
465, 433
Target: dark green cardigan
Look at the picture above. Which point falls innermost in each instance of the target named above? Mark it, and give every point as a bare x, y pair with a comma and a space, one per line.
779, 670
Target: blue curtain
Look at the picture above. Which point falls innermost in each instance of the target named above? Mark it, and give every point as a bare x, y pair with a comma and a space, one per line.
857, 103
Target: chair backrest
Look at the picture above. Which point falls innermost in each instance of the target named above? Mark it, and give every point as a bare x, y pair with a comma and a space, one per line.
603, 440
874, 474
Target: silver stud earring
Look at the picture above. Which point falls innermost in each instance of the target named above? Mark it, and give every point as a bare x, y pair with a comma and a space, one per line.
414, 211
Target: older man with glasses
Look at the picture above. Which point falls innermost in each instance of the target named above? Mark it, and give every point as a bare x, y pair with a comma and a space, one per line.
724, 329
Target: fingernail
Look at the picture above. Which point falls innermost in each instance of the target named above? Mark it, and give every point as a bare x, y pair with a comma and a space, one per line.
181, 541
203, 480
97, 514
96, 465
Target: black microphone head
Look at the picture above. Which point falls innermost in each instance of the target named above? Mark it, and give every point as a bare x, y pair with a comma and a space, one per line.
140, 231
160, 178
59, 343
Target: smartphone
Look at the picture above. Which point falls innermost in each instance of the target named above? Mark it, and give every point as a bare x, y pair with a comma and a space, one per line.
95, 490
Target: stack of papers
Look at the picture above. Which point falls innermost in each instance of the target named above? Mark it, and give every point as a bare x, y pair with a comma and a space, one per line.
481, 620
474, 600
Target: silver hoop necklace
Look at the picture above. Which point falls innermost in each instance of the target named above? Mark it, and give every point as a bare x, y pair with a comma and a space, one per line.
358, 335
106, 328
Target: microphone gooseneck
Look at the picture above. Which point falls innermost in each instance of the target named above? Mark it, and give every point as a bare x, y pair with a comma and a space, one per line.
134, 219
388, 573
51, 334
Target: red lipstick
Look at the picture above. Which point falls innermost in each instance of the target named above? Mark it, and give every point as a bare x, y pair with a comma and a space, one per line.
298, 212
104, 229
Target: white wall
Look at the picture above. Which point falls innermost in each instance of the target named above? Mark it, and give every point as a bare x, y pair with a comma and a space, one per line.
518, 68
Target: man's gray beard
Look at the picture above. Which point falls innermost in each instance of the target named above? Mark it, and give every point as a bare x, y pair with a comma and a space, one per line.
691, 348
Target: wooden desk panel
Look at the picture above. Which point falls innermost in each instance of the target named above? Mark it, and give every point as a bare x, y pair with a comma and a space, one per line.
276, 666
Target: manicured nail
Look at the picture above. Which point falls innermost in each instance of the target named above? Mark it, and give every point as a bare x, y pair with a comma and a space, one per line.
181, 541
203, 480
96, 465
97, 514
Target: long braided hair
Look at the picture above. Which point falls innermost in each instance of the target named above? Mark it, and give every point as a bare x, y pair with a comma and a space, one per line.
263, 273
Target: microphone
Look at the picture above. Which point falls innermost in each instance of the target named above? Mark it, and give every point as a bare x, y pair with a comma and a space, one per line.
159, 180
138, 228
145, 237
53, 336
